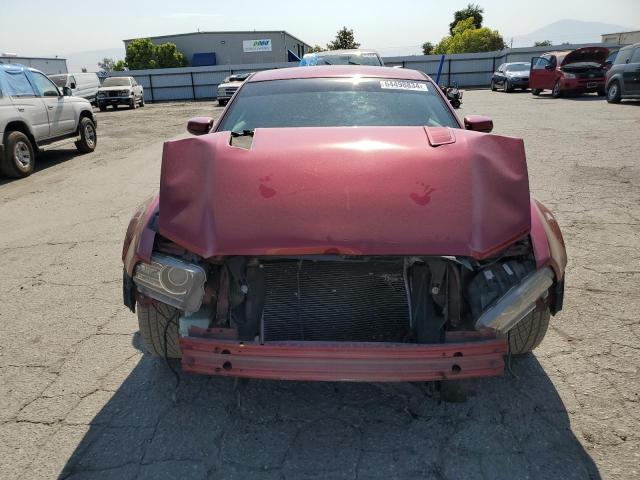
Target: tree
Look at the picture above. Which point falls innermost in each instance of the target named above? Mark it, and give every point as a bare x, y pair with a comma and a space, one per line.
466, 38
141, 54
344, 40
107, 64
427, 48
316, 48
543, 43
168, 56
120, 66
473, 11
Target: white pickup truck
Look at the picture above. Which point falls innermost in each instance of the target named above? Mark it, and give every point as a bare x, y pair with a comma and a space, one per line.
34, 113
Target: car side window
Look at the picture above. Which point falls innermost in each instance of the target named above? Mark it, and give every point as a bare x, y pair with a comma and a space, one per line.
17, 85
46, 87
635, 58
501, 68
540, 63
623, 56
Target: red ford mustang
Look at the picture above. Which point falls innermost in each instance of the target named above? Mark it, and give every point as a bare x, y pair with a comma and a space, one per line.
341, 223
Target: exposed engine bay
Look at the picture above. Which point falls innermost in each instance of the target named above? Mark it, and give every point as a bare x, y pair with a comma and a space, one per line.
412, 299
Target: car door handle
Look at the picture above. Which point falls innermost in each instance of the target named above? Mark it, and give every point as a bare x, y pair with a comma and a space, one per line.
50, 107
21, 109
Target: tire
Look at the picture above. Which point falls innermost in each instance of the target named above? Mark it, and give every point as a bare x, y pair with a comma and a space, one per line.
115, 107
222, 103
19, 156
133, 104
152, 321
455, 103
506, 88
528, 334
535, 91
556, 92
103, 108
614, 94
142, 101
88, 136
493, 85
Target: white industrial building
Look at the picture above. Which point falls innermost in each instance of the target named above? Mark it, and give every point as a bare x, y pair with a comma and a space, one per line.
621, 38
235, 48
49, 66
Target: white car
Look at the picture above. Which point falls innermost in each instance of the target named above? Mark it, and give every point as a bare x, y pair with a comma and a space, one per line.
83, 85
120, 91
34, 113
229, 86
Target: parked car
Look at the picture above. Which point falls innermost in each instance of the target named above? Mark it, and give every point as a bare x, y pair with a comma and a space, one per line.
83, 85
34, 113
509, 76
610, 59
571, 72
342, 57
623, 79
393, 251
120, 91
229, 86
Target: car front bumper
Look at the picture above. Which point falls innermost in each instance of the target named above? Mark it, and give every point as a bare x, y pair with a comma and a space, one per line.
463, 355
582, 85
102, 101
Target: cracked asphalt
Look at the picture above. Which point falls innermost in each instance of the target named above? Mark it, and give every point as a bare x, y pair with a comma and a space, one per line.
79, 400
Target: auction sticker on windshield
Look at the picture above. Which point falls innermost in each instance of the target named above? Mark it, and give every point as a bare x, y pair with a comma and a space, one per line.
403, 85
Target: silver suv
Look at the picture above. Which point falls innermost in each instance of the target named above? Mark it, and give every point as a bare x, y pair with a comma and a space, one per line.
33, 114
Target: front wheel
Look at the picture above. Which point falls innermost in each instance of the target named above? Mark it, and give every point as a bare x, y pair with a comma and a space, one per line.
103, 108
158, 325
493, 86
506, 87
88, 136
142, 101
613, 92
535, 91
529, 332
556, 92
133, 104
19, 156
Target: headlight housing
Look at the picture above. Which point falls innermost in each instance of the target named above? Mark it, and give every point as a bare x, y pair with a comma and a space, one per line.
569, 75
171, 281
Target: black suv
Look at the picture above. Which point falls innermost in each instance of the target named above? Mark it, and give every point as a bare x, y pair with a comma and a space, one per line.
623, 79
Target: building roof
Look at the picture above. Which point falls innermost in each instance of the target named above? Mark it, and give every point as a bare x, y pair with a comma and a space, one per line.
618, 33
247, 32
338, 71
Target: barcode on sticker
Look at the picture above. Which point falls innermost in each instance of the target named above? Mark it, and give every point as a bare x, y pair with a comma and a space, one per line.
403, 85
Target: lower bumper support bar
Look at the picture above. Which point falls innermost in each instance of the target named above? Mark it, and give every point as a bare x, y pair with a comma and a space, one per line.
462, 357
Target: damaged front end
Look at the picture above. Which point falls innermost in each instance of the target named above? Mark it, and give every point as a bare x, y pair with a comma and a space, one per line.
313, 279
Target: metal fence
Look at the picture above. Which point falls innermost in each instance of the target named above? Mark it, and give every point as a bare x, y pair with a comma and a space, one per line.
200, 83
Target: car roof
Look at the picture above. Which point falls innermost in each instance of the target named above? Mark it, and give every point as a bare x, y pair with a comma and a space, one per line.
338, 71
16, 67
353, 51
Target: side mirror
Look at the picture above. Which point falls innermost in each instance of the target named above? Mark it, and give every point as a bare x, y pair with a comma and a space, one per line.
478, 123
66, 91
73, 85
199, 125
548, 67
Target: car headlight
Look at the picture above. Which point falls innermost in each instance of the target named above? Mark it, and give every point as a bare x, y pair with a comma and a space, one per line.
569, 75
171, 281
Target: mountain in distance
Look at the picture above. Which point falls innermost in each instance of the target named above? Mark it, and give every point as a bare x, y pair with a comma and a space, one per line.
89, 59
570, 31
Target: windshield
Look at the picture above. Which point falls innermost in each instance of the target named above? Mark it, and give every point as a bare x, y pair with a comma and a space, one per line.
59, 80
370, 59
116, 82
337, 102
518, 67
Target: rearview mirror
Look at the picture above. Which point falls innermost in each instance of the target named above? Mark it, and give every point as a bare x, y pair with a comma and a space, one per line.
478, 123
199, 125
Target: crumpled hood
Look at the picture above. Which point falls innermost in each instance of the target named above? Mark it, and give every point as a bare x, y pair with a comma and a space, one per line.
586, 54
366, 190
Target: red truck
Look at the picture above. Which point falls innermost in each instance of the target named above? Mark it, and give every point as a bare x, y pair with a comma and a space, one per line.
569, 72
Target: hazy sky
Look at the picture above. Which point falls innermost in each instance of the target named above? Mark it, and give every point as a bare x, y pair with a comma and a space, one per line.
36, 27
